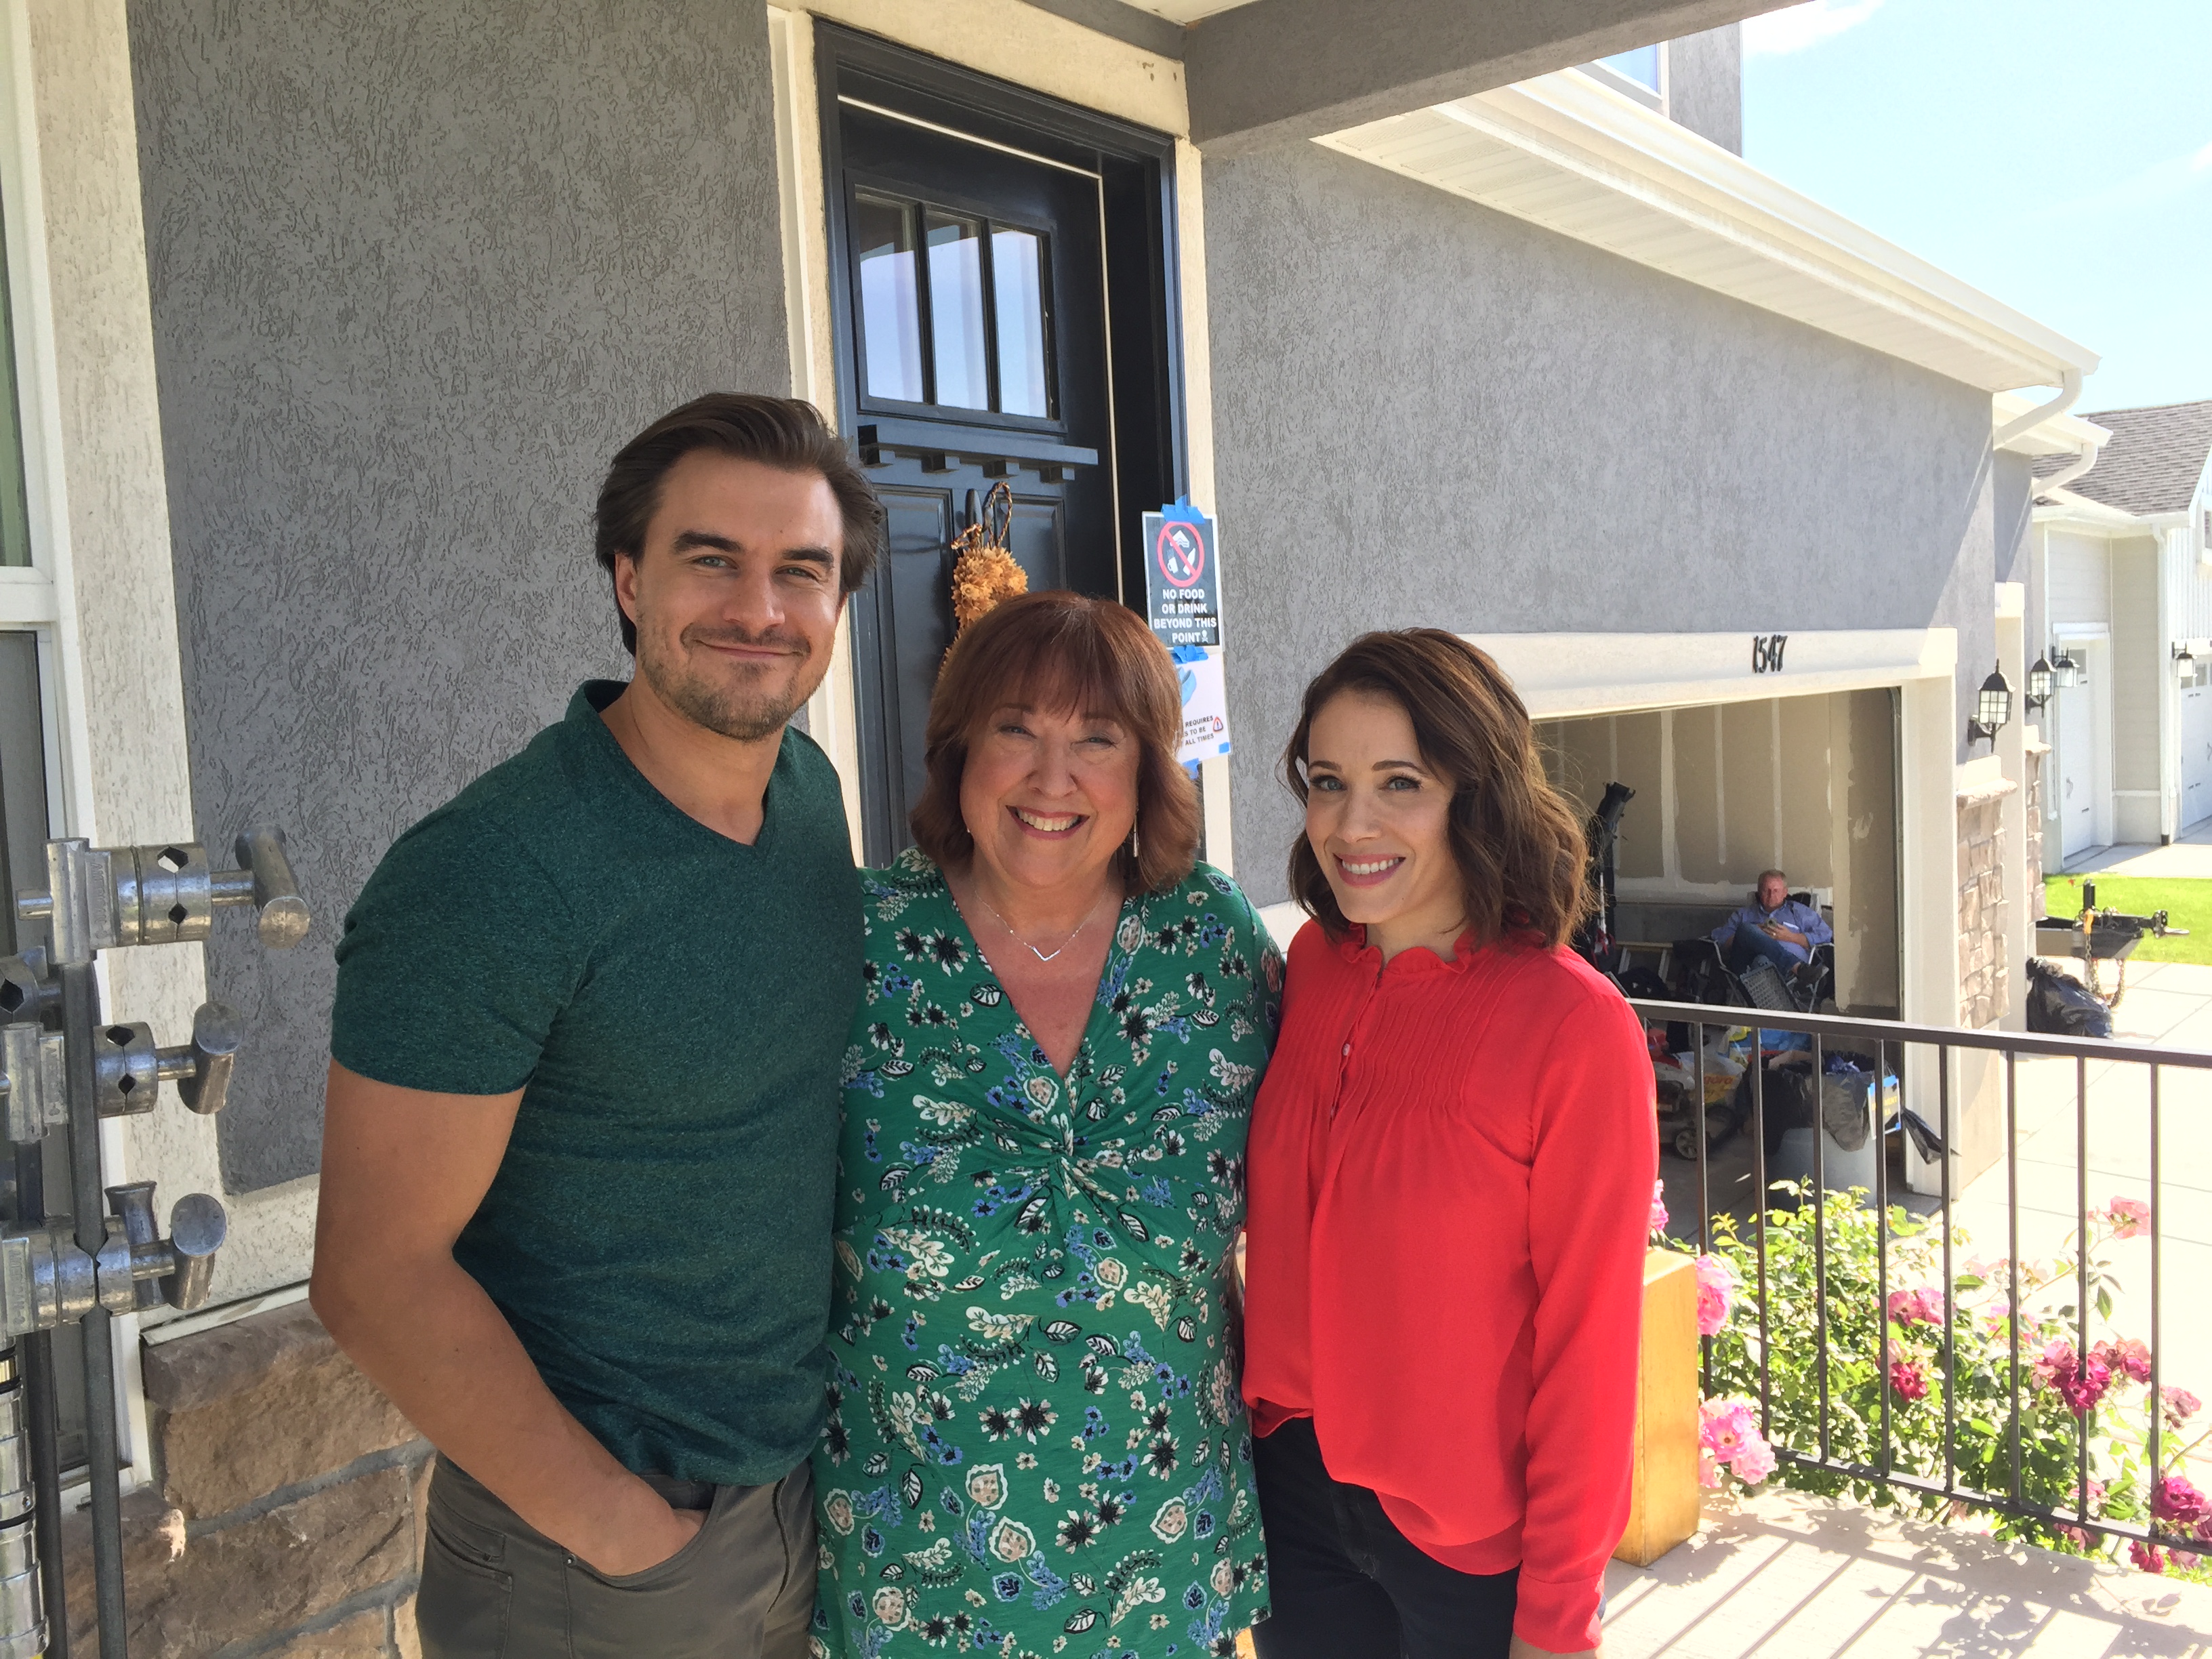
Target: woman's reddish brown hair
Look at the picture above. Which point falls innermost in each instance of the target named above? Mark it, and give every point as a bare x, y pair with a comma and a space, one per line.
1518, 844
1059, 650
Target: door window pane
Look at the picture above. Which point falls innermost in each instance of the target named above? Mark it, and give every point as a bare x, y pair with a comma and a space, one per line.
891, 325
956, 310
1018, 279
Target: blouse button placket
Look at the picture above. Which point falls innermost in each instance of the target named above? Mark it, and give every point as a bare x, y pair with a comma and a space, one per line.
1360, 1019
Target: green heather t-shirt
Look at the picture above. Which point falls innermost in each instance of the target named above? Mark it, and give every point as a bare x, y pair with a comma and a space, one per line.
674, 1006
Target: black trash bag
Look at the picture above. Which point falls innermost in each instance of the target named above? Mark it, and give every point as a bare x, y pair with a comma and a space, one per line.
1846, 1104
2059, 1004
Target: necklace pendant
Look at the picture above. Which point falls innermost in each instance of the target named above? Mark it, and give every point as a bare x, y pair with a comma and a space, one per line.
1040, 955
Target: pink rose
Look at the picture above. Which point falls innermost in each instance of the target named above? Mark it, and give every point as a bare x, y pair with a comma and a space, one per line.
2084, 1391
1715, 1294
1725, 1427
1658, 1206
1710, 1475
2184, 1559
1754, 1462
2126, 1355
2081, 1383
2175, 1498
2204, 1530
1923, 1306
1906, 1380
2148, 1556
2180, 1406
2131, 1217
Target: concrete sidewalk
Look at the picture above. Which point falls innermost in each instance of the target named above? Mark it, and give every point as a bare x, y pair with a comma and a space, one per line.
2191, 855
2168, 1005
1782, 1573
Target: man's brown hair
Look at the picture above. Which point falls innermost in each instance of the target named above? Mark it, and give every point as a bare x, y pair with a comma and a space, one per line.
1518, 844
783, 433
1063, 650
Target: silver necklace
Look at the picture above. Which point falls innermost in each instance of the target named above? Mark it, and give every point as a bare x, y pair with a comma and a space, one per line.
1032, 949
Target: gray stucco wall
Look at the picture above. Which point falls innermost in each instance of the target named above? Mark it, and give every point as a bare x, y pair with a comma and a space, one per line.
417, 269
1704, 84
2014, 500
1427, 413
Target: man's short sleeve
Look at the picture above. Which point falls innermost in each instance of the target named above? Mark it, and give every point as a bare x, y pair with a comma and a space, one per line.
454, 964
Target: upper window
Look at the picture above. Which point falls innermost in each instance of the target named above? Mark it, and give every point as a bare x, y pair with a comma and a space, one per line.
956, 310
1641, 66
1641, 73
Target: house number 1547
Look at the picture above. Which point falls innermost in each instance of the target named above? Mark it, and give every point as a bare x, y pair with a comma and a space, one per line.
1766, 653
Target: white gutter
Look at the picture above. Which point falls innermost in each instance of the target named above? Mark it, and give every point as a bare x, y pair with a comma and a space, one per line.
2070, 394
2085, 457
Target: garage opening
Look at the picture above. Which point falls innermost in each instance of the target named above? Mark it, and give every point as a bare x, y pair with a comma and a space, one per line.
1805, 785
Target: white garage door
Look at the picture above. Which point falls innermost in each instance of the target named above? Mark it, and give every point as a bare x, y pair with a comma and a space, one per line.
2196, 754
2077, 767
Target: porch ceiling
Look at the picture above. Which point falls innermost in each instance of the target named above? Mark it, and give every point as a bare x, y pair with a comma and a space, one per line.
1567, 153
1275, 70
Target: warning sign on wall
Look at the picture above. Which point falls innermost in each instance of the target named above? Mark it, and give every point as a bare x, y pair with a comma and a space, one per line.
1182, 577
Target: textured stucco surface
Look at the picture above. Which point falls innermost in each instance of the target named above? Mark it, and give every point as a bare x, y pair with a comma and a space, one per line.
417, 269
2012, 492
1704, 84
103, 500
1427, 413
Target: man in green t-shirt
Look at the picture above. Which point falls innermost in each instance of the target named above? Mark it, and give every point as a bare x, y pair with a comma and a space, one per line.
579, 1147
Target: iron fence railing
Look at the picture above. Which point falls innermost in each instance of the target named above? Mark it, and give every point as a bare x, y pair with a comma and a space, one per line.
1924, 1061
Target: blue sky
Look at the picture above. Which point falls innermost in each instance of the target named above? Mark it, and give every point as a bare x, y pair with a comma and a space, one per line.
2056, 156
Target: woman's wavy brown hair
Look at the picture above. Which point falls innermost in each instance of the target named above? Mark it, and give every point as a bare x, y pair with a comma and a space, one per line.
1517, 842
1059, 650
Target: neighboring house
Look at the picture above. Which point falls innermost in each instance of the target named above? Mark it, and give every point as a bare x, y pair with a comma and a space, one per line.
326, 318
2122, 558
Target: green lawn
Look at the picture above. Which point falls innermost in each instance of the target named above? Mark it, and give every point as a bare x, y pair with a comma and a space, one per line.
2188, 903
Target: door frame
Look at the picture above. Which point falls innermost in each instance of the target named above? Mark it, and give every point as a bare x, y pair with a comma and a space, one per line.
1137, 172
2091, 642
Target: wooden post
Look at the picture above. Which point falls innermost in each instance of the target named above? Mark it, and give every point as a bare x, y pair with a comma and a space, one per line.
1664, 1505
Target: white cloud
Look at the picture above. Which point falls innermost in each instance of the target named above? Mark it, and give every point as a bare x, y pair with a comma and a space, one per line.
1773, 34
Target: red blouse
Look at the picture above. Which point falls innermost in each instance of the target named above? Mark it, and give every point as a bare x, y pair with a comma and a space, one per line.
1451, 1174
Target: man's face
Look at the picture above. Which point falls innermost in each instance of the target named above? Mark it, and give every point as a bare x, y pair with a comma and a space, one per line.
1773, 892
735, 594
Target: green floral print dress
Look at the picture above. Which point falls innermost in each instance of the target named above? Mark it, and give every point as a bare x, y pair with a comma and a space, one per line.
1035, 1444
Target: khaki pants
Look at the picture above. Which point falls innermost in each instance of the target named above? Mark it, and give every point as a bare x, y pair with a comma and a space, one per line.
493, 1588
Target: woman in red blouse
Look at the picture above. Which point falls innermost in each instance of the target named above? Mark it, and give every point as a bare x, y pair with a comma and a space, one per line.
1451, 1164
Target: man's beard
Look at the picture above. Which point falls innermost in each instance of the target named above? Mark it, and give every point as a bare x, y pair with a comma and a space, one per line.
756, 706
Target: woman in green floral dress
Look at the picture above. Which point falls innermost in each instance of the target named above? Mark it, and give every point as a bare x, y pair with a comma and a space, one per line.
1035, 1443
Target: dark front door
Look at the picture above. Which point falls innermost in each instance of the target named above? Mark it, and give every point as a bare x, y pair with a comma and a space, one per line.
980, 320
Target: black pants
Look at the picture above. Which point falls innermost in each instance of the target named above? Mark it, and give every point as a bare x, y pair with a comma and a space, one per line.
1347, 1584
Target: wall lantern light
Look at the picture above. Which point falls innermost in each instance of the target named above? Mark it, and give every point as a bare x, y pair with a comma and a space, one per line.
2039, 682
2185, 664
2065, 672
1992, 709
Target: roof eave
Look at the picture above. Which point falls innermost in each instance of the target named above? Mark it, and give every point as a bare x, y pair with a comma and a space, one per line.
1565, 152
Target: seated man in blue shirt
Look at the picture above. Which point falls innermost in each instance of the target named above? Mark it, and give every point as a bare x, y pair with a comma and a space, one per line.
1774, 925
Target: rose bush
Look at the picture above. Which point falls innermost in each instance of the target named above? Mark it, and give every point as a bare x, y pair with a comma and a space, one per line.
2068, 1397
